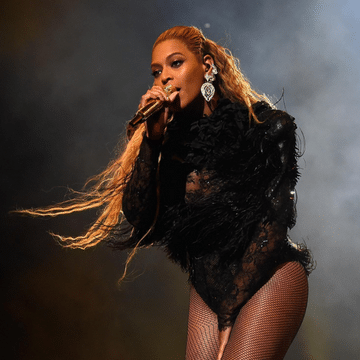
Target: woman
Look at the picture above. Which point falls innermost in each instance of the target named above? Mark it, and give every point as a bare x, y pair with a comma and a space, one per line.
210, 177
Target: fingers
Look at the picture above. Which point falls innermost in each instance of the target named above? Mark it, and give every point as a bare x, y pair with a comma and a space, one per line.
157, 93
155, 125
223, 340
173, 96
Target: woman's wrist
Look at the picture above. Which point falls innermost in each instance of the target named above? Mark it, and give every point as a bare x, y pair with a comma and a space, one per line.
154, 138
154, 132
154, 142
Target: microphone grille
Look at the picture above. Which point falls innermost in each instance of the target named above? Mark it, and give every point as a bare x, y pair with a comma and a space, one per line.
169, 89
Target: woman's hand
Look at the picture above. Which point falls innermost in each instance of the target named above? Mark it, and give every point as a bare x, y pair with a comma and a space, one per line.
156, 124
223, 340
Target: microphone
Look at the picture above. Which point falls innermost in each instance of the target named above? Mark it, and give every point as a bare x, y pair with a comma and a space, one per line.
150, 108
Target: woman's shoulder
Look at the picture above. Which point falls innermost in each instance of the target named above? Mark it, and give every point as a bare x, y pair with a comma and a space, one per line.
277, 119
264, 111
230, 120
275, 123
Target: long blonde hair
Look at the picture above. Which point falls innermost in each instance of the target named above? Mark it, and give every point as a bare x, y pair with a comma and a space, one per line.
106, 189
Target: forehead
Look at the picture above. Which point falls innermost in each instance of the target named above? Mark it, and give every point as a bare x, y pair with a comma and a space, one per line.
168, 47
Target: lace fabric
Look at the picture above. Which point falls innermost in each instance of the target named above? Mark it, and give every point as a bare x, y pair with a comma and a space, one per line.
226, 289
265, 326
226, 201
140, 194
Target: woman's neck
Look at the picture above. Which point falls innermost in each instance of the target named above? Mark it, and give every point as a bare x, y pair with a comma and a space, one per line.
199, 108
210, 106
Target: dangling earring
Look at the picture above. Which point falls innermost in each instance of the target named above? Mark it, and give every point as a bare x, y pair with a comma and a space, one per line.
207, 88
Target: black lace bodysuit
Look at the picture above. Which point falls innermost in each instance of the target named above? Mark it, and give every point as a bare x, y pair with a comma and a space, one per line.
219, 193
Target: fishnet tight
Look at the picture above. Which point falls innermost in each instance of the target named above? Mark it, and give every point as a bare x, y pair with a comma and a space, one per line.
265, 326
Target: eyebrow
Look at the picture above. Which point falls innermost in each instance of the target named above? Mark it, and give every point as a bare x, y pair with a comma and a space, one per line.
169, 56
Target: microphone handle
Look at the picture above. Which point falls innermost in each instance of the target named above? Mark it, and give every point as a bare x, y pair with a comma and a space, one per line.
151, 108
146, 111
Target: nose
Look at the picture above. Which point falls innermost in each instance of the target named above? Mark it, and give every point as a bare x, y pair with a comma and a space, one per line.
166, 76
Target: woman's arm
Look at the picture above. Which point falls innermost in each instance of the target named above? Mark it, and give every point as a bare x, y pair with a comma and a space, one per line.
140, 198
260, 258
139, 201
270, 238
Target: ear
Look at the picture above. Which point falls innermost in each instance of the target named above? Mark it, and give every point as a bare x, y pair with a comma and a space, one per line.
208, 61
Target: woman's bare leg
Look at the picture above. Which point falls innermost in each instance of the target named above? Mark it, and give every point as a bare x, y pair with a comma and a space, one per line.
268, 323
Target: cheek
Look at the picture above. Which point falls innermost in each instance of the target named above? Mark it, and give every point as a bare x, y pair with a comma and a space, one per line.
194, 82
191, 90
190, 83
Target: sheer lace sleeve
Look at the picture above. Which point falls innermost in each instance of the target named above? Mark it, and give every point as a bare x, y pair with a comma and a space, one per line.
269, 244
255, 269
140, 199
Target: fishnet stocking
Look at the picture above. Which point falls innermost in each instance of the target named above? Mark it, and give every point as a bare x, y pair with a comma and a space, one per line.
202, 340
265, 326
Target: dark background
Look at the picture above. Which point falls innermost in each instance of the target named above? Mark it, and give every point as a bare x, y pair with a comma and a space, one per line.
72, 73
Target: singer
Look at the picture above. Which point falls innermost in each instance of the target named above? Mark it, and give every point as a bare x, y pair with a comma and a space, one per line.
209, 175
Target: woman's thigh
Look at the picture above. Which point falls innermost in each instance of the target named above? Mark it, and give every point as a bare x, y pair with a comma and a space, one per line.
202, 338
269, 321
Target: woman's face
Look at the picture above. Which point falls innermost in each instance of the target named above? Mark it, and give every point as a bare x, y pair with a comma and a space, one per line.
173, 63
